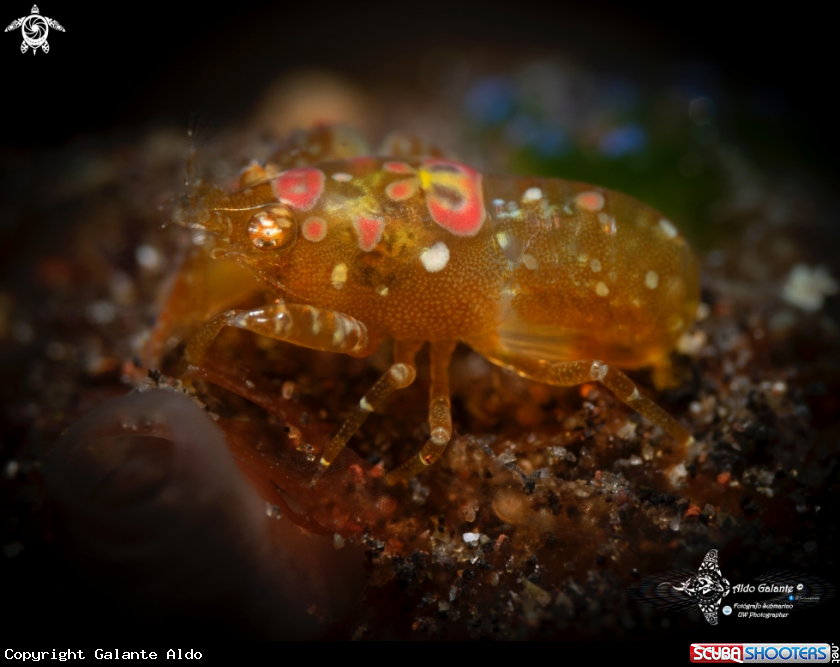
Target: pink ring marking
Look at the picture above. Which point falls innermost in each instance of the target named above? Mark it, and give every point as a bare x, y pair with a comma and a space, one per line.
400, 190
314, 229
590, 200
369, 231
454, 196
299, 188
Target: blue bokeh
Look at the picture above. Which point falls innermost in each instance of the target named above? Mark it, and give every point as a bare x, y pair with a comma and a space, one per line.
490, 100
624, 140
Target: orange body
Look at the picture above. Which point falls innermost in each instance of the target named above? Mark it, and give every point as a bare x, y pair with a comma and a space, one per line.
428, 249
561, 282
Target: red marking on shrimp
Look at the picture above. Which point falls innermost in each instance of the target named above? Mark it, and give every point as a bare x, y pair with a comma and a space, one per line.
591, 200
399, 168
299, 188
402, 189
313, 229
369, 231
454, 196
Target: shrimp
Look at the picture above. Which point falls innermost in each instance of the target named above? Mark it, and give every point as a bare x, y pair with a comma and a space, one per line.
562, 282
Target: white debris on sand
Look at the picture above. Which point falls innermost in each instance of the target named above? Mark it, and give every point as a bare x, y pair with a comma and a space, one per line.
807, 288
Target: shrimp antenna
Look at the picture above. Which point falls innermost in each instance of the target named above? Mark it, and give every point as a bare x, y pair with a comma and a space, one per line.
198, 135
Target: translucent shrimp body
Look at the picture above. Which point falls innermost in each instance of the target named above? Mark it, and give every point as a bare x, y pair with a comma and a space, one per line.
560, 281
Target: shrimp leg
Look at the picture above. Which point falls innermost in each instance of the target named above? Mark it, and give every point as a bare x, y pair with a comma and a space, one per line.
319, 329
571, 373
316, 328
401, 374
440, 415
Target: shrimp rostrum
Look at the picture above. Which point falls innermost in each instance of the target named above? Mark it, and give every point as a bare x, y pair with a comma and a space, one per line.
562, 282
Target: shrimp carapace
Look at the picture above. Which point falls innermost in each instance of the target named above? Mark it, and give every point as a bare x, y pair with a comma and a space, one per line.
560, 281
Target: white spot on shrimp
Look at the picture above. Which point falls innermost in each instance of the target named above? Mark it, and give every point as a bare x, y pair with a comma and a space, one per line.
532, 194
635, 395
340, 331
503, 239
316, 321
360, 331
595, 265
598, 370
399, 372
364, 405
608, 222
435, 258
339, 275
382, 290
282, 322
341, 177
669, 229
652, 279
601, 289
529, 261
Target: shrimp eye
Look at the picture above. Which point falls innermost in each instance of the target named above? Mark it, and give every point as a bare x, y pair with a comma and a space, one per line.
272, 228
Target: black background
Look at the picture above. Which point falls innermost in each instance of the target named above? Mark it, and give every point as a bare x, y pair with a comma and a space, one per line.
124, 66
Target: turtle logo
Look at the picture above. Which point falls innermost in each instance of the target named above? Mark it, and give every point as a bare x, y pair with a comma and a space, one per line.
708, 587
35, 29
